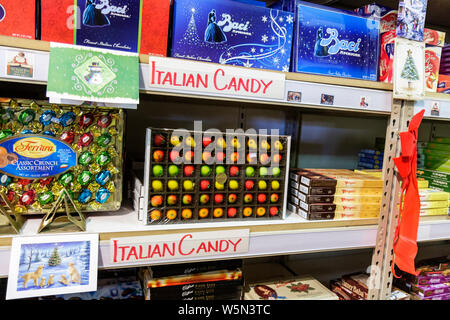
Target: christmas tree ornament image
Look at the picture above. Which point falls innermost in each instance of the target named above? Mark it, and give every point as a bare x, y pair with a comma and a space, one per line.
409, 71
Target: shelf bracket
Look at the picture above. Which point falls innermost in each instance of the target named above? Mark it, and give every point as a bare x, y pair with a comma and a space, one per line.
380, 280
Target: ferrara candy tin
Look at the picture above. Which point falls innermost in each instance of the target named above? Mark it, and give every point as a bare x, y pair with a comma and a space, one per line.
46, 148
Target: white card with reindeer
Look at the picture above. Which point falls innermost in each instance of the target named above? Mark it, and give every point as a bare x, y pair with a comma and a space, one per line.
52, 265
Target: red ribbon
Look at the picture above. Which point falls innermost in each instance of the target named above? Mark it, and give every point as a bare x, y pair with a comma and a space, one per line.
405, 239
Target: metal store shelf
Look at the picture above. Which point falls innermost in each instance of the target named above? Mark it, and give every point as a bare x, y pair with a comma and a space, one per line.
291, 236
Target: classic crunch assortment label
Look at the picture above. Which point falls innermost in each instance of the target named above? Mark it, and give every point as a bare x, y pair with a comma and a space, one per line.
35, 156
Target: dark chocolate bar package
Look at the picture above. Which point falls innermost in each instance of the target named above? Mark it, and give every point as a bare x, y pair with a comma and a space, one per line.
46, 148
318, 207
311, 198
215, 289
316, 215
311, 179
357, 283
193, 268
319, 191
431, 290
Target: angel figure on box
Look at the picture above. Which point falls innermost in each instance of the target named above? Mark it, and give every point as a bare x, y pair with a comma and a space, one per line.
320, 50
213, 33
93, 16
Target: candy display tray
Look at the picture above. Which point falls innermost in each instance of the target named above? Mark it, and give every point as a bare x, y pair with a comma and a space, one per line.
145, 211
11, 110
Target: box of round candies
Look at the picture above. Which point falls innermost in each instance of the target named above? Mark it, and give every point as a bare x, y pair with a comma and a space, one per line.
207, 176
46, 148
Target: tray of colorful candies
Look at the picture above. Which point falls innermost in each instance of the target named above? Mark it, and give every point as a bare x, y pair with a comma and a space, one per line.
96, 136
197, 177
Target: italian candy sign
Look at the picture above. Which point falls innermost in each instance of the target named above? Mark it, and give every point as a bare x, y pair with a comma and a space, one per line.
336, 43
232, 33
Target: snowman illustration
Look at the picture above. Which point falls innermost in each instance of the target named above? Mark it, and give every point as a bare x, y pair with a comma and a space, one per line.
94, 76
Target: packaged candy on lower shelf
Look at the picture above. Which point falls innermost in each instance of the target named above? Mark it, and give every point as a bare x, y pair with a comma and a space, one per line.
194, 282
45, 148
298, 288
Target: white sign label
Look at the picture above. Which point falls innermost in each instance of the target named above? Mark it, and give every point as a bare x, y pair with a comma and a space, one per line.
177, 246
192, 76
409, 69
52, 265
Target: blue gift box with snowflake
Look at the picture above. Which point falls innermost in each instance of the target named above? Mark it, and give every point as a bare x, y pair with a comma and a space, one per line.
335, 42
232, 33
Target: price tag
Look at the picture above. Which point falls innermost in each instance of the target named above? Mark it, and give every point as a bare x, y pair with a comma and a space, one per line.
178, 246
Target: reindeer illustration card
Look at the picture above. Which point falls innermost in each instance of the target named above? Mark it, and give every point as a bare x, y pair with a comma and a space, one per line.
51, 265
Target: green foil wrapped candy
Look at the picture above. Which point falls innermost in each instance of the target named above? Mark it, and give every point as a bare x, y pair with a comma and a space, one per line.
26, 116
66, 178
45, 198
5, 133
86, 158
104, 140
85, 177
103, 158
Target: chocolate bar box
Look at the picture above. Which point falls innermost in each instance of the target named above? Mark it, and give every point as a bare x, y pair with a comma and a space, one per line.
301, 288
335, 42
228, 32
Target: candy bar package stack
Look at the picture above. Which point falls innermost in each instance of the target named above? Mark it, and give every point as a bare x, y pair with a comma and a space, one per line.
370, 159
47, 148
193, 176
355, 287
232, 33
311, 195
433, 202
335, 42
372, 172
432, 282
421, 183
18, 19
437, 155
318, 194
357, 195
126, 25
299, 288
217, 280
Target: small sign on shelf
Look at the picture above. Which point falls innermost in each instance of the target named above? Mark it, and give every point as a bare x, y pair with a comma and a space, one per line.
216, 79
409, 70
92, 74
187, 245
55, 264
